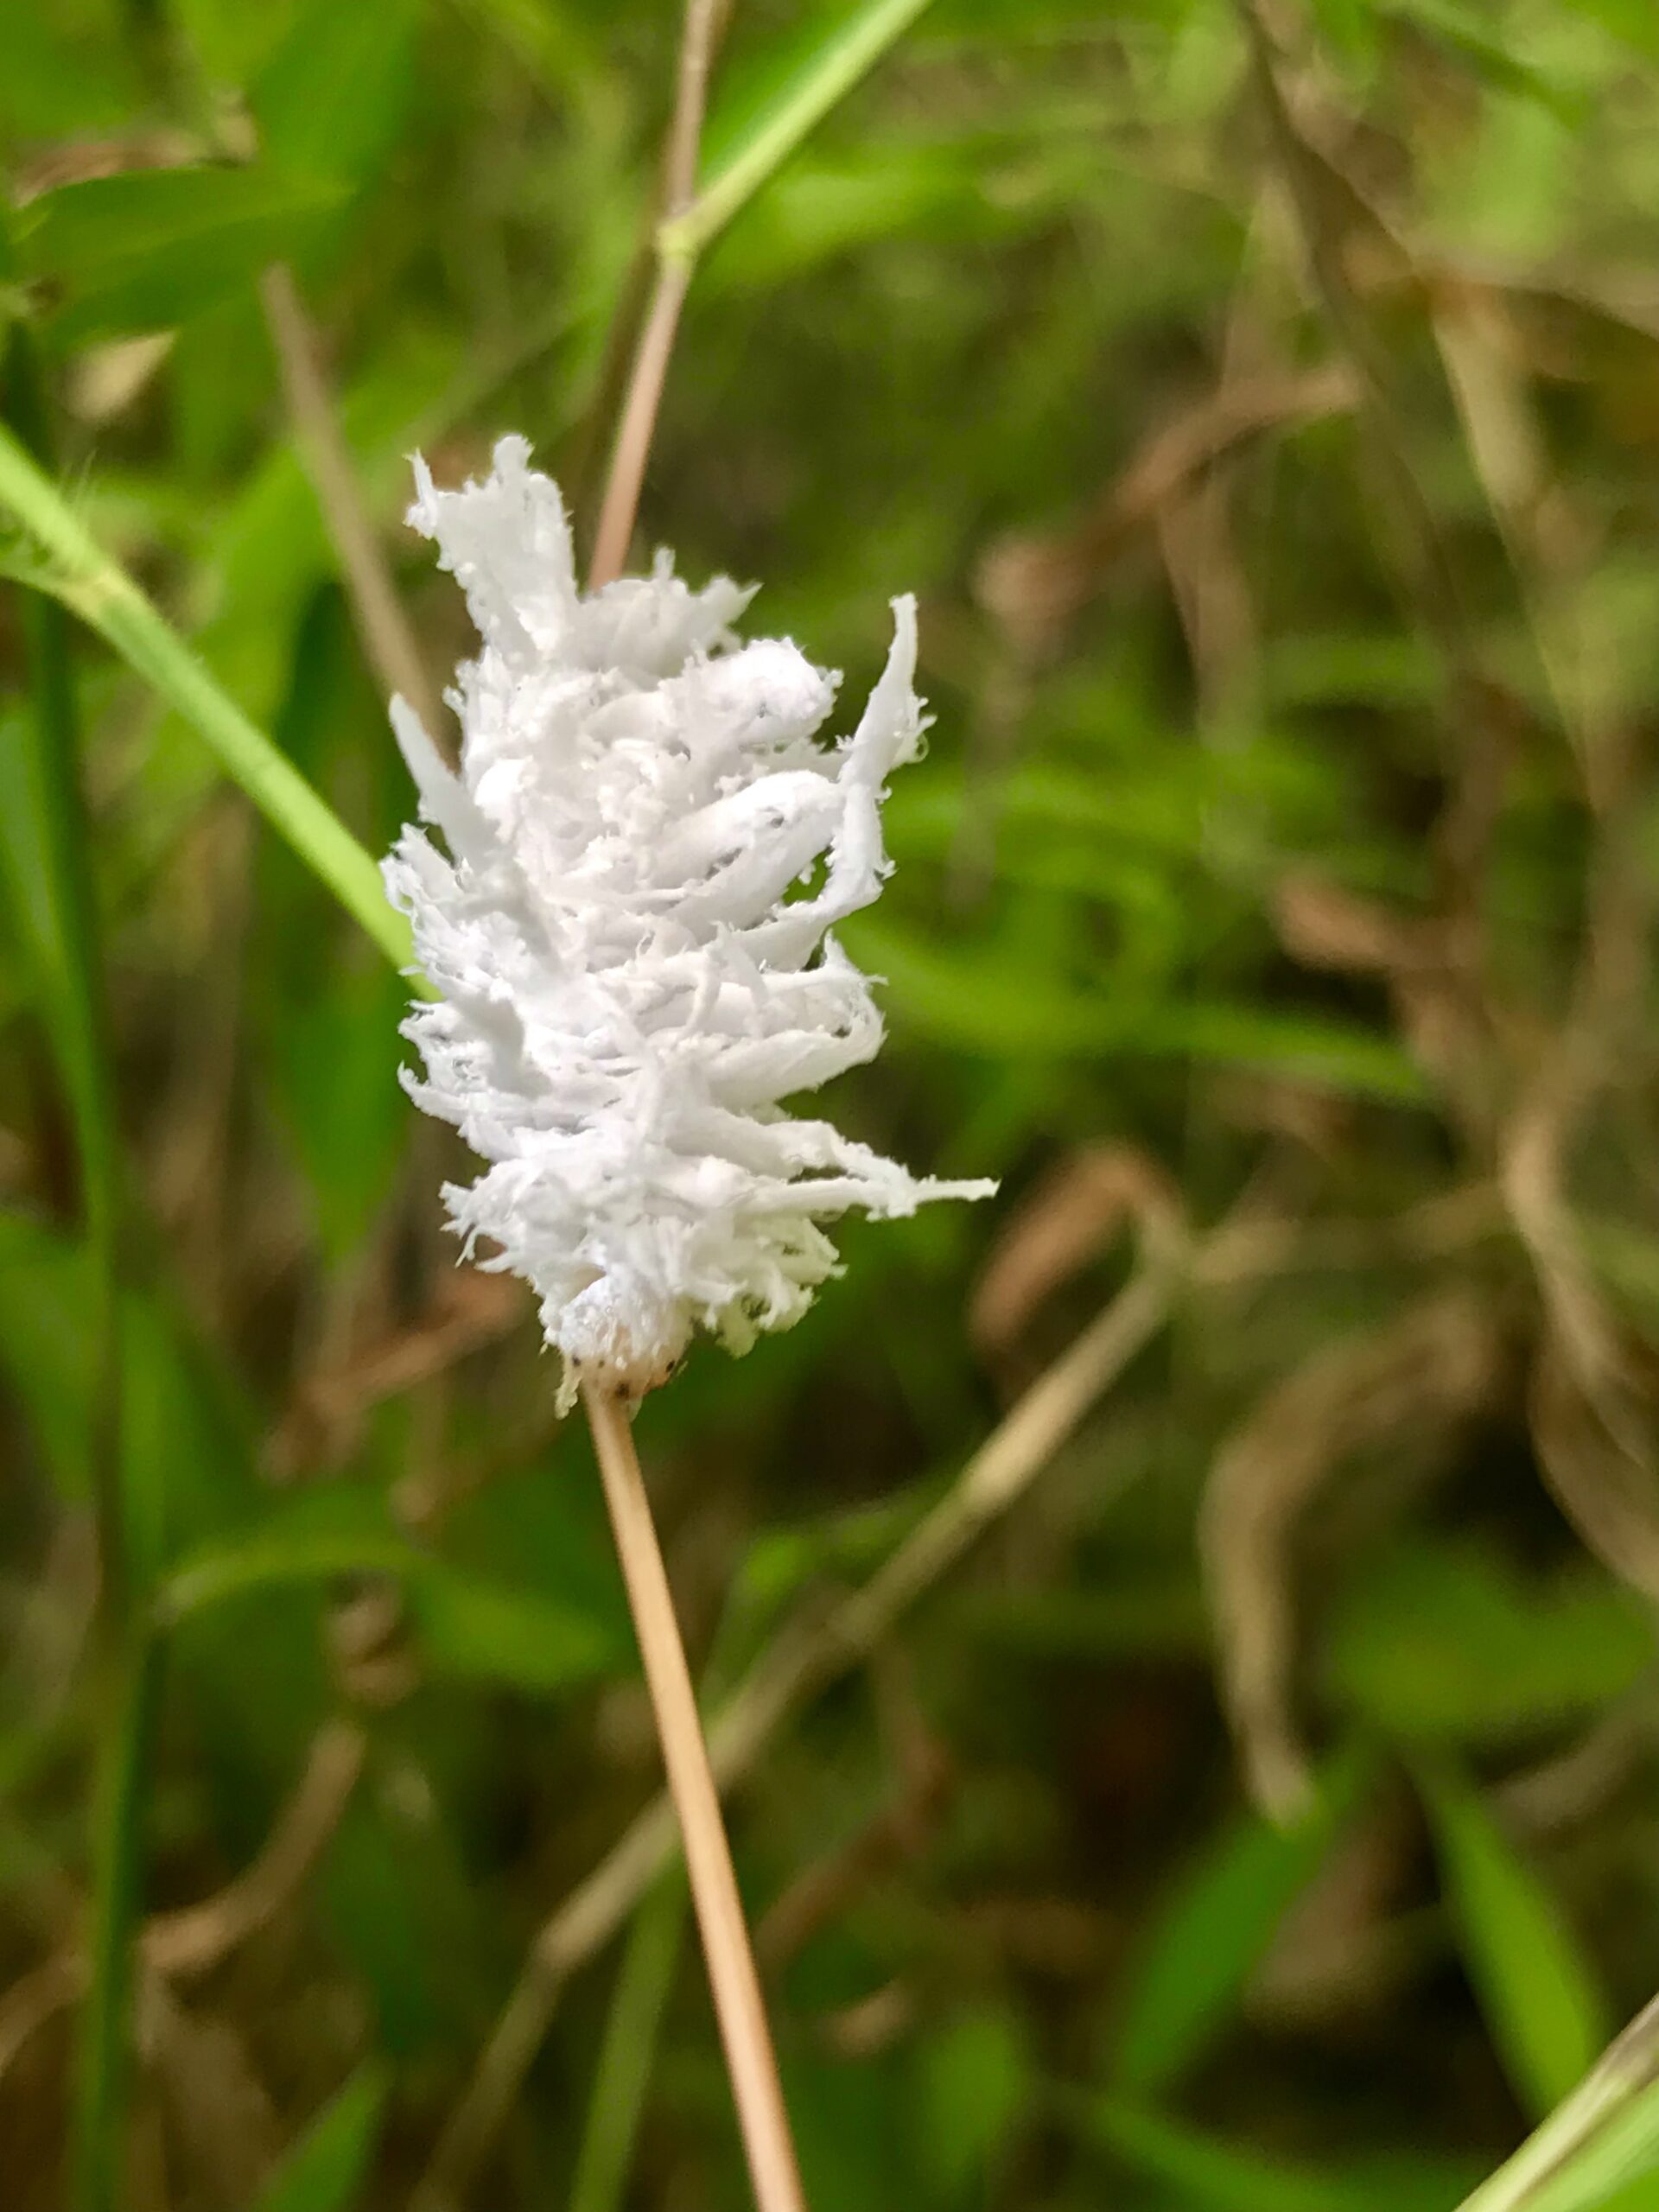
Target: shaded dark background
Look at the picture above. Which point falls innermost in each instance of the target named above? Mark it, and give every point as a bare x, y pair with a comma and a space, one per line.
1262, 1812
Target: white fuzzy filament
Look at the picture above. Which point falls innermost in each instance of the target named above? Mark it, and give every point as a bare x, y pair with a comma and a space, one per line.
646, 848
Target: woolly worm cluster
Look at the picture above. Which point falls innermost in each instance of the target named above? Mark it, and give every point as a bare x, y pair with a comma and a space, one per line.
647, 845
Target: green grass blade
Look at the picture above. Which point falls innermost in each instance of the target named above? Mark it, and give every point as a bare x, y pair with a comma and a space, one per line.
1542, 2007
851, 51
220, 1574
45, 856
94, 588
1599, 2139
44, 847
328, 2166
98, 2140
1183, 1990
1616, 2171
622, 2073
146, 250
1205, 2173
48, 896
470, 1626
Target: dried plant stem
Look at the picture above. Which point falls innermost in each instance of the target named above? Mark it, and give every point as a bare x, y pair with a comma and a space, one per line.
388, 639
674, 267
814, 1652
1436, 588
1618, 2087
627, 476
193, 1939
736, 1985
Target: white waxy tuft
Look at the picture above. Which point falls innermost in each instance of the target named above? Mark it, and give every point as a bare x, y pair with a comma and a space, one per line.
628, 987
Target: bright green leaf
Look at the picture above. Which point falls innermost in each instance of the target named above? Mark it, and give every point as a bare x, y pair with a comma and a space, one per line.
78, 573
312, 1535
325, 2169
334, 1051
182, 1463
1206, 2173
622, 2071
973, 2082
1446, 1644
473, 1626
1599, 2149
330, 101
809, 80
1543, 2004
116, 255
59, 76
478, 1631
1202, 1948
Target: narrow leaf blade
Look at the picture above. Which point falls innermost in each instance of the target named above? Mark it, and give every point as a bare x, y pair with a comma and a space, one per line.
826, 73
1538, 1993
113, 256
1215, 1931
328, 2166
107, 598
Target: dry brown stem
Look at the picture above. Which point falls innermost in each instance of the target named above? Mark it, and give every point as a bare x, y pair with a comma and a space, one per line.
1337, 229
1314, 188
1591, 1421
381, 623
1035, 585
821, 1892
1067, 1220
735, 1985
1596, 1448
192, 1940
811, 1654
37, 1998
738, 2006
199, 1937
218, 2109
1429, 1370
1591, 1405
467, 1310
1573, 1788
627, 475
1213, 593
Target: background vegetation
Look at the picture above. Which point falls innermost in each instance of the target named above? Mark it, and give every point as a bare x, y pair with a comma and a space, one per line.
1240, 1791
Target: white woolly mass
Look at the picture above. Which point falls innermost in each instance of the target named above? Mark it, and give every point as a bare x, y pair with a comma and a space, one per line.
627, 987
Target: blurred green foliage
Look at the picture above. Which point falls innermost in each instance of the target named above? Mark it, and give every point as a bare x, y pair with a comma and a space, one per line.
1266, 419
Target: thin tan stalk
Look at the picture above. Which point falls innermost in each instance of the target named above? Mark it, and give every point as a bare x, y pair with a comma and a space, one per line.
811, 1654
627, 476
732, 1979
381, 623
1254, 1241
738, 2004
634, 432
193, 1939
